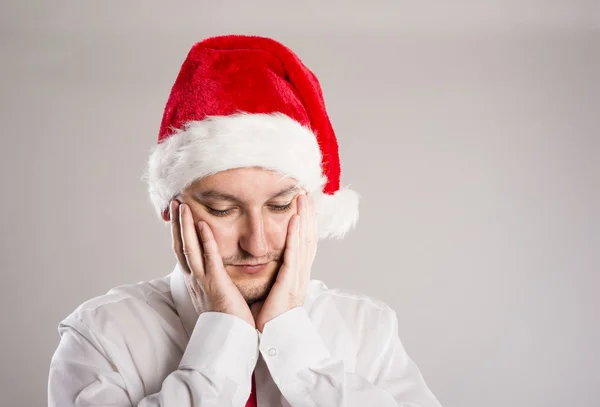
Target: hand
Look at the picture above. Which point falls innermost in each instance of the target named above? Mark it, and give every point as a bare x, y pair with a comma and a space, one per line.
292, 280
209, 284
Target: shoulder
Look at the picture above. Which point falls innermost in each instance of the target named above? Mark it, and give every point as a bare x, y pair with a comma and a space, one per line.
353, 306
350, 323
124, 305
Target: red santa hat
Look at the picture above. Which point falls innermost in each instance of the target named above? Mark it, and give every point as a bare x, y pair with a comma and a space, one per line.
245, 101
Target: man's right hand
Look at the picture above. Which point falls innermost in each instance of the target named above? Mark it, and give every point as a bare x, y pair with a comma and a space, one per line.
210, 286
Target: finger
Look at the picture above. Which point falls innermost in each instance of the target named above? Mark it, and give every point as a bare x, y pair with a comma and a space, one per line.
304, 238
302, 211
302, 235
291, 246
311, 207
312, 221
313, 214
191, 245
313, 236
212, 257
176, 235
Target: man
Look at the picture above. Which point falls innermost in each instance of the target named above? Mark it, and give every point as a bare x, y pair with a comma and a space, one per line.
247, 173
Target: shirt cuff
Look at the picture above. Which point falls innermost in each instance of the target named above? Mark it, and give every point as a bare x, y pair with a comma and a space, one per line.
222, 343
290, 343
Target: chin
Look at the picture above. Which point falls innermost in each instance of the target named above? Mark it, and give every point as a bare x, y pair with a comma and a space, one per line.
255, 290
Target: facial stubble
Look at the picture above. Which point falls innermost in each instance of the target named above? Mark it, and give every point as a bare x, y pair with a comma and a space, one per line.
256, 291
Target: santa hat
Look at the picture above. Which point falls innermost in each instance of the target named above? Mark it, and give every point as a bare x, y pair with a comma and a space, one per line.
245, 101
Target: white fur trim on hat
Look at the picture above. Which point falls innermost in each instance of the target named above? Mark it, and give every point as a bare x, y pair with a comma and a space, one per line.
271, 141
336, 214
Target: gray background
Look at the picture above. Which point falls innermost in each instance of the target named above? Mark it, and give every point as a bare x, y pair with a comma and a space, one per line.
469, 128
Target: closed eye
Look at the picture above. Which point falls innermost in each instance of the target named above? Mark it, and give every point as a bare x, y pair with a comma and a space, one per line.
217, 212
280, 208
225, 212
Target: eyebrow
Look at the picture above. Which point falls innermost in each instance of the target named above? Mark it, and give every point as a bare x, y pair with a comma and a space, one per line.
222, 196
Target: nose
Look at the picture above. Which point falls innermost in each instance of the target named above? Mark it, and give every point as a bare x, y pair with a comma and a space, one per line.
253, 239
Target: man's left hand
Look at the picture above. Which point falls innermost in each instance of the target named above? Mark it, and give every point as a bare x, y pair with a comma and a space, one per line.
292, 280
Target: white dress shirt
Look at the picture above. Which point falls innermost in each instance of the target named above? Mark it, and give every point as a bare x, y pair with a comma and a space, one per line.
144, 345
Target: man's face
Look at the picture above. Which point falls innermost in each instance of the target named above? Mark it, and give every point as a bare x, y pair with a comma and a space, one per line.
248, 210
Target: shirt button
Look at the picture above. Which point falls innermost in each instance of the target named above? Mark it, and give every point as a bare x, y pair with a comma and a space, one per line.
272, 352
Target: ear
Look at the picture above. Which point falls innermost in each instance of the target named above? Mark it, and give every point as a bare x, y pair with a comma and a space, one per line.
166, 215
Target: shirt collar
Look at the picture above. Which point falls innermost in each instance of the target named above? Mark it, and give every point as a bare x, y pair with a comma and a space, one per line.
183, 301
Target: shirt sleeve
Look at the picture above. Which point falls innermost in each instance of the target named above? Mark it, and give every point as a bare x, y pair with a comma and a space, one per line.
307, 375
215, 370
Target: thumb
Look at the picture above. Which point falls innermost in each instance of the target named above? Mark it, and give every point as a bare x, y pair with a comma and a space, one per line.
212, 258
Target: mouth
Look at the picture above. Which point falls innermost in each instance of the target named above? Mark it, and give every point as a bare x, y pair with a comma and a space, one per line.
250, 268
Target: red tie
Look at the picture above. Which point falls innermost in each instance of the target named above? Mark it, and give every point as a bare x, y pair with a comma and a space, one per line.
252, 399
